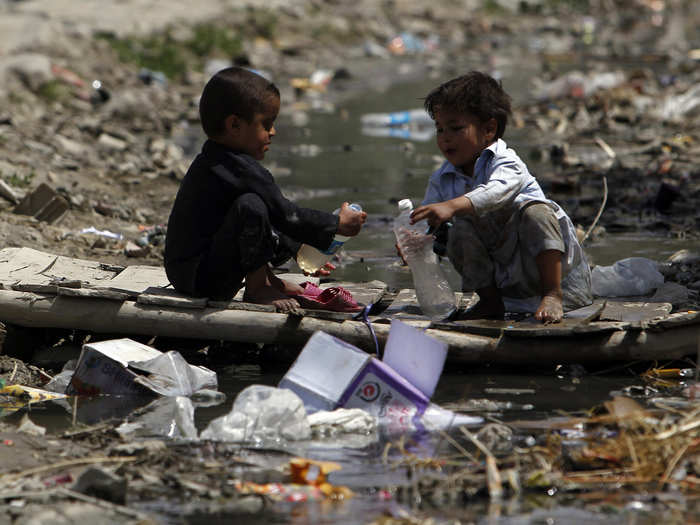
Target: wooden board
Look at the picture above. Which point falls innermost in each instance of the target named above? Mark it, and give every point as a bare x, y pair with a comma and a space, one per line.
404, 306
128, 317
20, 266
135, 280
364, 293
45, 290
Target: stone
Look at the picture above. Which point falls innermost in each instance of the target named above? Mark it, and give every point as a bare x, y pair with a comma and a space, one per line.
44, 204
102, 484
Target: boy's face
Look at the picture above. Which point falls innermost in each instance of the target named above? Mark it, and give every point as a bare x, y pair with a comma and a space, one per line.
462, 137
254, 137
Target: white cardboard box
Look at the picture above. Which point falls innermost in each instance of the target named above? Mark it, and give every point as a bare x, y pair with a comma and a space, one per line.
120, 367
330, 373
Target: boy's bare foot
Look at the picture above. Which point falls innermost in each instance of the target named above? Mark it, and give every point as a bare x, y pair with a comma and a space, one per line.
286, 287
269, 295
550, 309
263, 287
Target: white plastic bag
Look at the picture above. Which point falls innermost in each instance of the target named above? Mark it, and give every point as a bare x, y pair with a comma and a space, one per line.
627, 277
263, 416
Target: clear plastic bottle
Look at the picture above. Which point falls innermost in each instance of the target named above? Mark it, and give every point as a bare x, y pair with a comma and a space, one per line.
310, 259
433, 291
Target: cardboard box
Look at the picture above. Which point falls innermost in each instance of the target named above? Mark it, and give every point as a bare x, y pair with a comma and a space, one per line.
126, 367
330, 373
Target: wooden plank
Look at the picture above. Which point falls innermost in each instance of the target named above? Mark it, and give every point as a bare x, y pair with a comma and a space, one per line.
19, 264
169, 297
99, 315
137, 279
35, 288
235, 304
93, 293
364, 293
616, 310
404, 306
685, 318
27, 266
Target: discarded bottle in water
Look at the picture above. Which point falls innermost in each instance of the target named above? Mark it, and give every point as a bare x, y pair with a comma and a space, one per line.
397, 118
433, 291
311, 260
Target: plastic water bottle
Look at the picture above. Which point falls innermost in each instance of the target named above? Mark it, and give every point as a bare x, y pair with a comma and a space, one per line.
433, 291
311, 260
397, 118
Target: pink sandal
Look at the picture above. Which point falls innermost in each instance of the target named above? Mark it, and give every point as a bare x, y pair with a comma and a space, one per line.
336, 298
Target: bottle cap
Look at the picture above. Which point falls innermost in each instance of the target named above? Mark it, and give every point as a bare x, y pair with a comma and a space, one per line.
405, 205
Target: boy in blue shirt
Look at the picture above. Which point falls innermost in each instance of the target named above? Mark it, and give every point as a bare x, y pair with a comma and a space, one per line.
514, 247
230, 221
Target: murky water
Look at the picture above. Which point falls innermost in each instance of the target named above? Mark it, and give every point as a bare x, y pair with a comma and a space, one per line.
330, 160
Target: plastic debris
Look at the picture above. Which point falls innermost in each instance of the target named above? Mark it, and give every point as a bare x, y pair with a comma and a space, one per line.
627, 277
342, 421
397, 118
262, 416
124, 366
102, 233
171, 417
330, 373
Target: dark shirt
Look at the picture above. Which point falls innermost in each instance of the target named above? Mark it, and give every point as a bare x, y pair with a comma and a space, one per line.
216, 178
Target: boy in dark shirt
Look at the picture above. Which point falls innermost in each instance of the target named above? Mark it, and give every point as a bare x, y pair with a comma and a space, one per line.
230, 220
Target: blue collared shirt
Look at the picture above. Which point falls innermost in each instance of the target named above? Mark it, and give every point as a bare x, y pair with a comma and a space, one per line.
500, 186
501, 179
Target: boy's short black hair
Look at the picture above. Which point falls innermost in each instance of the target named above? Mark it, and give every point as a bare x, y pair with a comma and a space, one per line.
475, 93
233, 91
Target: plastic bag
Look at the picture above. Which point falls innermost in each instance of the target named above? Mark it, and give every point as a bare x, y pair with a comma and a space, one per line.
627, 277
170, 375
171, 417
263, 416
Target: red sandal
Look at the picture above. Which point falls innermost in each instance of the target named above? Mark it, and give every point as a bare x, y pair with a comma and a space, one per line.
336, 298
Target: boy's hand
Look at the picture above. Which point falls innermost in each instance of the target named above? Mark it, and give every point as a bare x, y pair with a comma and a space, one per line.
351, 221
441, 212
326, 269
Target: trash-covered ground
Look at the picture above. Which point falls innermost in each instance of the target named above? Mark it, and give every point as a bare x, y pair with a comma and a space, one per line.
632, 457
97, 130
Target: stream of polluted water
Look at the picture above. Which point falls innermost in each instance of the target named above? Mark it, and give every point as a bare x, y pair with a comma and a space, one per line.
321, 159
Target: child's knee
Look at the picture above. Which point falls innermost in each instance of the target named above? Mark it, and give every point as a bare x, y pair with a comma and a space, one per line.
539, 229
250, 204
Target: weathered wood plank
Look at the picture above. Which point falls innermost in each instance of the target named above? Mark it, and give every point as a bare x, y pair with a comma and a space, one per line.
404, 306
162, 297
92, 293
235, 304
616, 310
27, 266
364, 293
128, 317
137, 279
